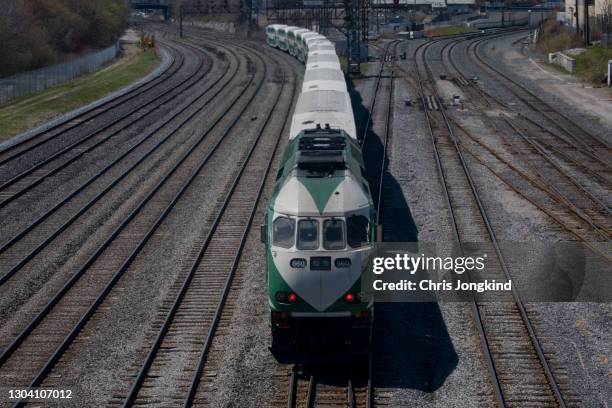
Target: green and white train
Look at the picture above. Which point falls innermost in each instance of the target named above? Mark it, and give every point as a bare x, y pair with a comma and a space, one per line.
320, 222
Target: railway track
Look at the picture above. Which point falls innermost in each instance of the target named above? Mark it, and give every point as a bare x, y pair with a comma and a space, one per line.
597, 147
519, 370
188, 323
51, 165
33, 353
19, 250
310, 387
17, 149
378, 152
552, 165
55, 138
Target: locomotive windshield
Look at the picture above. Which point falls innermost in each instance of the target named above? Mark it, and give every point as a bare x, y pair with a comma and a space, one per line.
357, 230
308, 234
333, 234
336, 233
283, 233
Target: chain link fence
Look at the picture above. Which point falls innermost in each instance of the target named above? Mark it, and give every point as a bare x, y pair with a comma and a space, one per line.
42, 78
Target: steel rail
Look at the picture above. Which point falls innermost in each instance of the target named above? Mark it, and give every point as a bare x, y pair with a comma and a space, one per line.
167, 95
384, 153
292, 398
379, 205
98, 110
7, 275
489, 99
541, 103
141, 376
373, 103
350, 394
484, 215
539, 150
217, 317
311, 394
93, 307
474, 307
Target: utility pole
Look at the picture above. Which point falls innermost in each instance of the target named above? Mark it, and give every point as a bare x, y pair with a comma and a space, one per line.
586, 24
353, 29
577, 22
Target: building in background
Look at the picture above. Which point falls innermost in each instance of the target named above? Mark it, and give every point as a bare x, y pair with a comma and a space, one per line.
600, 14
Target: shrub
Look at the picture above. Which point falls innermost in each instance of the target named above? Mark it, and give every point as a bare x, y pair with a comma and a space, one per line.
593, 64
555, 37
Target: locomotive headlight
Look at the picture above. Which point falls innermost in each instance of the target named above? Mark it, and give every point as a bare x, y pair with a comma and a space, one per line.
298, 263
342, 262
281, 297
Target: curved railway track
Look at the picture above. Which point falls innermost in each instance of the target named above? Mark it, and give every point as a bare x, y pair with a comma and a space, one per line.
598, 147
70, 131
207, 277
188, 321
27, 243
113, 258
547, 140
17, 149
552, 165
39, 172
520, 372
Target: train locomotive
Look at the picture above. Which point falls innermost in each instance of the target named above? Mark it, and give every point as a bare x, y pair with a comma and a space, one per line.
320, 221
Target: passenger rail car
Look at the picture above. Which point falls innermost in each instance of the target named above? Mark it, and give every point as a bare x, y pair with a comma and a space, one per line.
320, 221
324, 79
272, 34
323, 108
316, 60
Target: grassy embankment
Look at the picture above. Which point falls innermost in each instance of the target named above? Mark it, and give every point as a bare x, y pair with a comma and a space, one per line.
591, 65
450, 30
34, 109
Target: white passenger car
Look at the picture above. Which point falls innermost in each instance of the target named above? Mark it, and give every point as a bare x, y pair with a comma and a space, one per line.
292, 39
323, 79
271, 34
323, 108
281, 38
329, 61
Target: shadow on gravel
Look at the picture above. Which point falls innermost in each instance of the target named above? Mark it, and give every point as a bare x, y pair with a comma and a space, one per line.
412, 347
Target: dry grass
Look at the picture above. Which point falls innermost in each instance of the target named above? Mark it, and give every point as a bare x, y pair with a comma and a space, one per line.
553, 38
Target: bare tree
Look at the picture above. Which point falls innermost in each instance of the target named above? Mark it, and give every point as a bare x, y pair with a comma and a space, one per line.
604, 18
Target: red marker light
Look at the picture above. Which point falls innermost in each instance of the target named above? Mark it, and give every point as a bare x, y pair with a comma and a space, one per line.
349, 297
292, 297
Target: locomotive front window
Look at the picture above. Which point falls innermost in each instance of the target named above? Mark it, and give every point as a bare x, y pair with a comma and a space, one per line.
357, 230
333, 234
283, 232
308, 232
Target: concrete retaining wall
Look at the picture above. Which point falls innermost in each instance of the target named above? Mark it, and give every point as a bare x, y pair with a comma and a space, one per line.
564, 61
